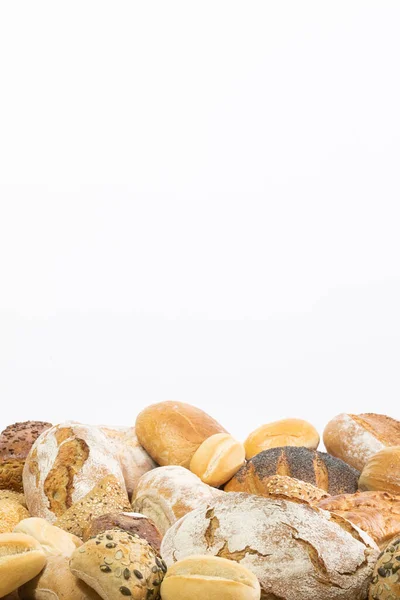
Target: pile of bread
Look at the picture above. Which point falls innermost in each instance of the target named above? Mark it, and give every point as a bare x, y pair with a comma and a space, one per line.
176, 508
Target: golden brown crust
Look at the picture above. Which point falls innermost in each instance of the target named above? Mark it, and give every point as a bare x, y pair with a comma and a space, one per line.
21, 559
286, 432
11, 513
288, 488
382, 472
385, 429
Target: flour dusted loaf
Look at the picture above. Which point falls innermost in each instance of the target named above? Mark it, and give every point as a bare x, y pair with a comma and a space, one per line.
217, 459
171, 431
318, 468
21, 559
356, 438
130, 522
15, 443
53, 540
297, 552
382, 471
286, 432
64, 465
166, 494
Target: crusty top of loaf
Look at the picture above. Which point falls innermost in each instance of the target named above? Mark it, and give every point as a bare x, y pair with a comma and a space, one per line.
16, 440
385, 429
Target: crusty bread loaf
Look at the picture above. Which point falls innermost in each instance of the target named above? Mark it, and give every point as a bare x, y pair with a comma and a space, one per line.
64, 464
385, 583
117, 564
11, 513
377, 513
56, 582
171, 431
211, 578
288, 488
15, 443
21, 559
356, 438
53, 540
131, 522
382, 471
217, 459
298, 552
287, 432
14, 496
166, 494
318, 468
107, 496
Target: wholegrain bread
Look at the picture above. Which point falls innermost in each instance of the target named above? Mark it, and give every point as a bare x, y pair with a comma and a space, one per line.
131, 522
11, 513
385, 583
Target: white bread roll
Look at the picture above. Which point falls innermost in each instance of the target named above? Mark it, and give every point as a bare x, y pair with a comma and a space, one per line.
53, 540
218, 459
21, 559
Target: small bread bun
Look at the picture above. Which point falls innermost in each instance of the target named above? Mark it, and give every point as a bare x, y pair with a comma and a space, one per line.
21, 559
54, 541
382, 472
11, 513
218, 459
287, 432
200, 577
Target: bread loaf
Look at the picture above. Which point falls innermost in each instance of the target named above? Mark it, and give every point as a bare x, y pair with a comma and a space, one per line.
21, 559
64, 465
318, 468
14, 496
15, 443
53, 540
217, 459
117, 564
288, 488
209, 577
171, 432
385, 579
287, 432
382, 471
297, 552
356, 438
11, 513
377, 513
166, 494
131, 522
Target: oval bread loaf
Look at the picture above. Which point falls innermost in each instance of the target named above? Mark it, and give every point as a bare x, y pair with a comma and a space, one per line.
287, 432
53, 540
218, 459
382, 472
21, 559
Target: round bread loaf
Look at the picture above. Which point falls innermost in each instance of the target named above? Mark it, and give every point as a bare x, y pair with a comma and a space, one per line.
382, 471
218, 459
171, 431
377, 513
15, 443
356, 438
166, 494
56, 582
53, 540
318, 468
297, 552
117, 564
131, 522
14, 496
64, 465
201, 577
288, 488
386, 576
11, 513
21, 559
287, 432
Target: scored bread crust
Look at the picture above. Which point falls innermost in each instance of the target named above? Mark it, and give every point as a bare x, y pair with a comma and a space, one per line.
21, 559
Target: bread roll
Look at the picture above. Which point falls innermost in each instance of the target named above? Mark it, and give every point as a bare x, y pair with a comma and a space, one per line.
297, 552
356, 438
167, 493
318, 468
385, 579
201, 577
171, 432
54, 541
15, 443
56, 582
14, 496
11, 513
21, 559
377, 513
64, 465
287, 432
117, 564
382, 471
107, 496
131, 522
218, 459
288, 488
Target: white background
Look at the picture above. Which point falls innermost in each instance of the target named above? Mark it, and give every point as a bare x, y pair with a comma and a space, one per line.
199, 201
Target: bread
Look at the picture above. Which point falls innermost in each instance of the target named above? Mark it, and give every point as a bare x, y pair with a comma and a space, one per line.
54, 541
377, 513
287, 432
209, 577
21, 559
107, 496
56, 582
167, 493
133, 459
288, 488
356, 438
385, 583
130, 522
382, 471
64, 465
217, 459
171, 432
117, 564
15, 443
11, 513
318, 468
14, 496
